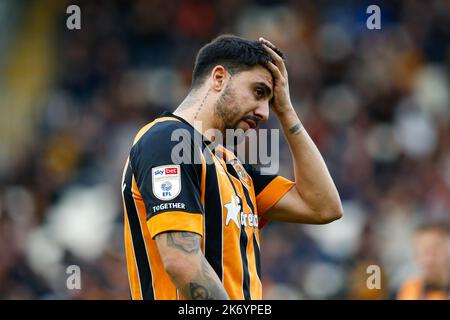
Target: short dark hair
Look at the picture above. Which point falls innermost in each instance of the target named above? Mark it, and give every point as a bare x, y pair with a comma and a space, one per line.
236, 54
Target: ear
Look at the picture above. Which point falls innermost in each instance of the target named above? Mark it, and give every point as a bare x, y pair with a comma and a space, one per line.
219, 78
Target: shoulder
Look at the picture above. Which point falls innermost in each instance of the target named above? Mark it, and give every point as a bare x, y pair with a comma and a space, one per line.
161, 130
165, 142
161, 135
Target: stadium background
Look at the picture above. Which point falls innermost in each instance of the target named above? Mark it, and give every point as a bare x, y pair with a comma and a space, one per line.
377, 104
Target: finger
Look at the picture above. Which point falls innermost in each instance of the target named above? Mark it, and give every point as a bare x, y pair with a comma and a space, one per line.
271, 46
274, 55
276, 73
278, 60
267, 42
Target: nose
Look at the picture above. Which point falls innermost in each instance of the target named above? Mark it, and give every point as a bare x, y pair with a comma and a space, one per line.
262, 111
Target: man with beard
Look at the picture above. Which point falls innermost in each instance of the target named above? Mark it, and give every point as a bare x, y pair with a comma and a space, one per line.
192, 227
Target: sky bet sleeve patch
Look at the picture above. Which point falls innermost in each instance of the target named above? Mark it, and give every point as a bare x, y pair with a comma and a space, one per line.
166, 182
166, 186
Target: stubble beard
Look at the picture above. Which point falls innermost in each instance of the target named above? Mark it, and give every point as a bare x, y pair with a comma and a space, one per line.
226, 111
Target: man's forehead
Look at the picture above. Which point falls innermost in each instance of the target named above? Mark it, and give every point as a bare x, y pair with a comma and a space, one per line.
259, 74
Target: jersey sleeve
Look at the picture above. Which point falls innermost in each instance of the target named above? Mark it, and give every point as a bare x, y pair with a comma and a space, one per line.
269, 189
170, 189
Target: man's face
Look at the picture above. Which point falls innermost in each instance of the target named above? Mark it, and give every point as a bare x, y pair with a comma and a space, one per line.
432, 252
245, 100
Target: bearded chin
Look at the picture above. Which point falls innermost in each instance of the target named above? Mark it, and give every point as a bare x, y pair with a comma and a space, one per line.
226, 111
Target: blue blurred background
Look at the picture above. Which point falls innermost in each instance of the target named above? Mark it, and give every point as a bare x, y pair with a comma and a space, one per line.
376, 102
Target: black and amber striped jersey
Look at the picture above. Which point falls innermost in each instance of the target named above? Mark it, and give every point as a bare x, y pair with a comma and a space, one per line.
213, 195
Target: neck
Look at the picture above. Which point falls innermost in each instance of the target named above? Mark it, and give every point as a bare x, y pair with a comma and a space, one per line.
198, 110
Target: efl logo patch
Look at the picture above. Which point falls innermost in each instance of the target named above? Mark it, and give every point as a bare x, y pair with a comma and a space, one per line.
166, 182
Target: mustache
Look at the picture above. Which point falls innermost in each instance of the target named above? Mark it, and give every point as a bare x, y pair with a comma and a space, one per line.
253, 118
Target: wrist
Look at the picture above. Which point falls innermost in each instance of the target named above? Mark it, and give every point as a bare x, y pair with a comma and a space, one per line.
290, 122
284, 107
287, 114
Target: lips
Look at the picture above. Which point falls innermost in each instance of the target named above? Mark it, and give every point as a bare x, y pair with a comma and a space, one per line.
251, 123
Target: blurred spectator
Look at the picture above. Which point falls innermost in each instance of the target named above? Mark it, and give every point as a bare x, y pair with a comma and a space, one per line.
432, 253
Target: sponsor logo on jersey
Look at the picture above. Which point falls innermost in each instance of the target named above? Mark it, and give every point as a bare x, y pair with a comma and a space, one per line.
166, 182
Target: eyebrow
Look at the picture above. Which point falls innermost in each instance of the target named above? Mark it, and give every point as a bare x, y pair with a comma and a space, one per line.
266, 88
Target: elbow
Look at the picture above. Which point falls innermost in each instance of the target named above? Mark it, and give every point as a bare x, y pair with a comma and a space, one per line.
334, 211
176, 267
332, 214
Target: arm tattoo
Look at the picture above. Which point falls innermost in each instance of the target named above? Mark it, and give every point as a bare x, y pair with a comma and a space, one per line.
204, 283
296, 129
207, 285
198, 292
186, 241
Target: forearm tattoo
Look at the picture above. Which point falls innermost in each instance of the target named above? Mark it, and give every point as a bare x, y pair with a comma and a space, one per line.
205, 285
296, 129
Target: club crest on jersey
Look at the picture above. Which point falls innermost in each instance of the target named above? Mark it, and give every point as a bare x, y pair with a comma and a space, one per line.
166, 182
243, 176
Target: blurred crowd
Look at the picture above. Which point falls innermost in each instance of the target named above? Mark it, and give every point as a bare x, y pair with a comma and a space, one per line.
376, 102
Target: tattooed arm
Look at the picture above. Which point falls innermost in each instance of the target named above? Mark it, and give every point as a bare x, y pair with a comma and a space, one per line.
187, 266
315, 198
